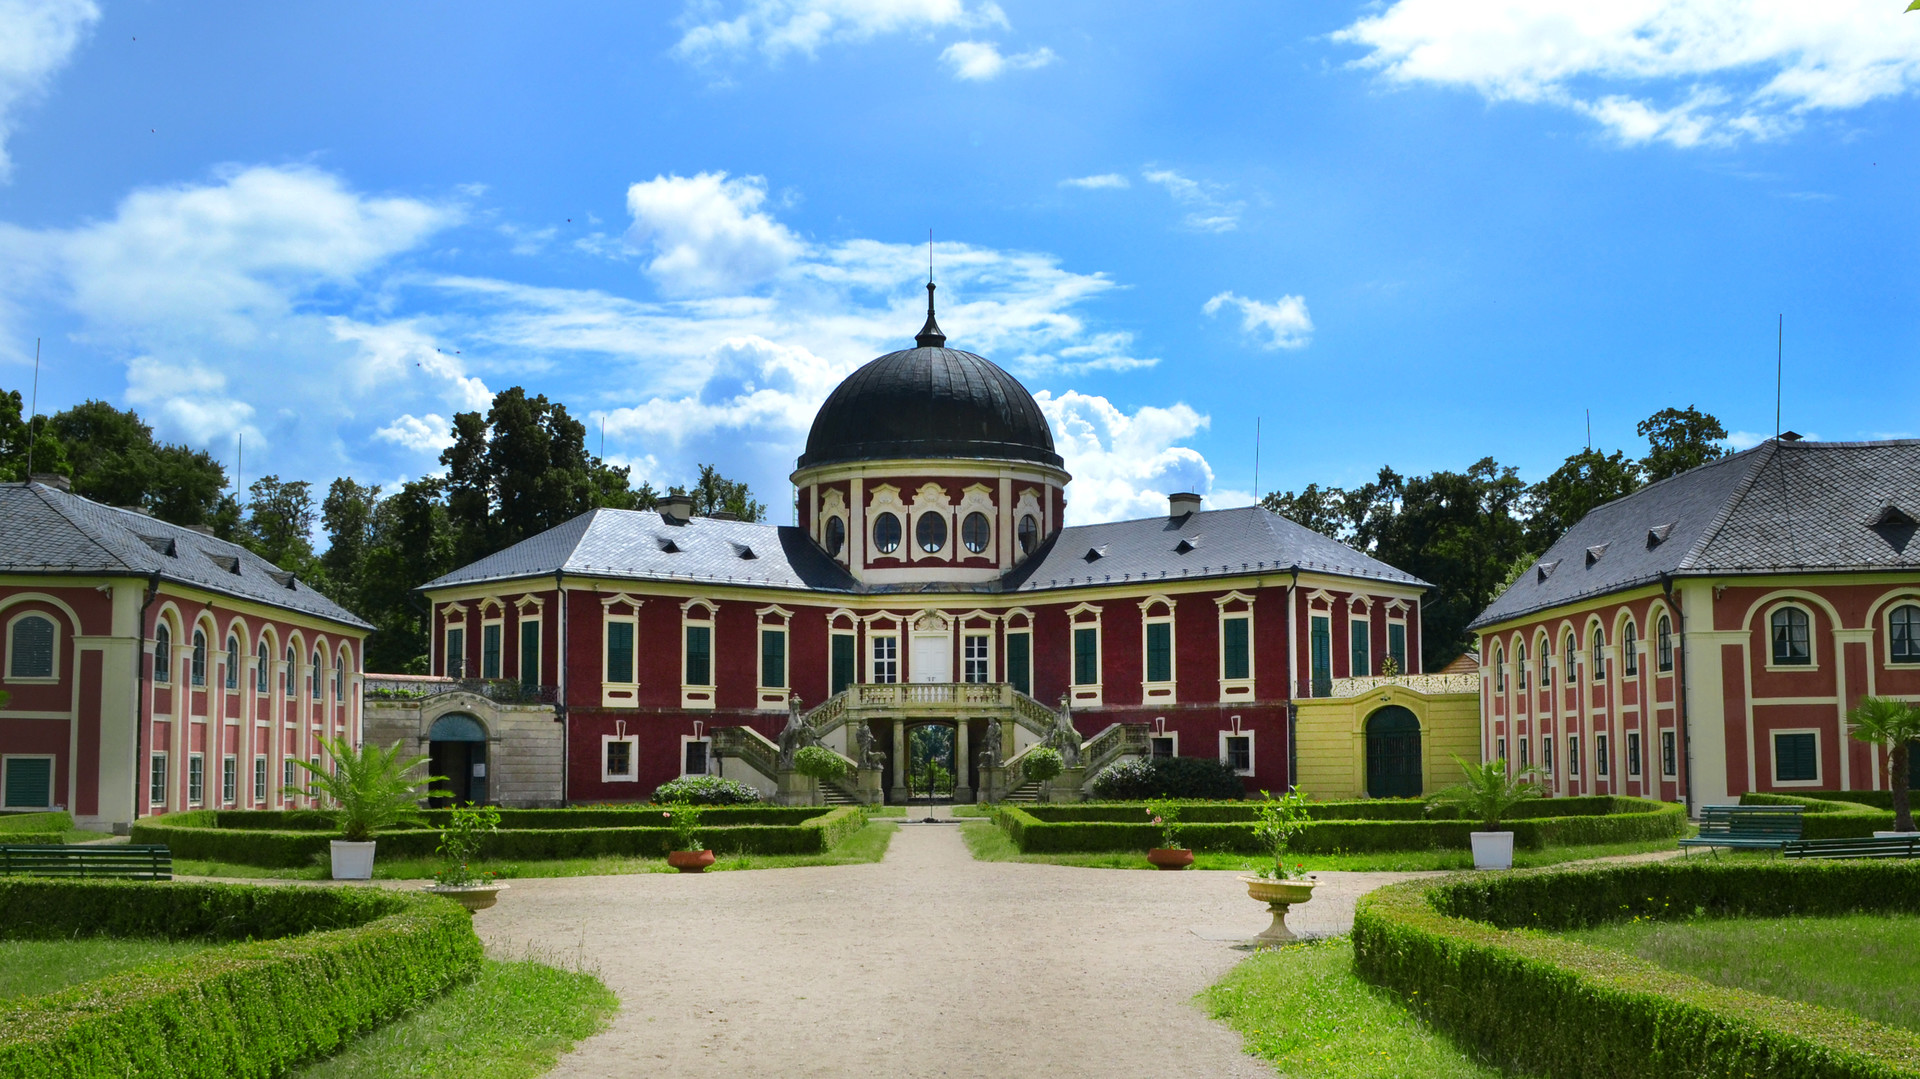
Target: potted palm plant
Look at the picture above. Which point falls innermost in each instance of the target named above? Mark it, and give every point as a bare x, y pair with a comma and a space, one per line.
1278, 884
460, 845
1488, 794
1883, 721
1169, 854
684, 851
371, 788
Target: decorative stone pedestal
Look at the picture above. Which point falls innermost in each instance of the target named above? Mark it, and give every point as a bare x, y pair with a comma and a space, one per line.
1278, 895
796, 789
993, 784
1065, 787
866, 786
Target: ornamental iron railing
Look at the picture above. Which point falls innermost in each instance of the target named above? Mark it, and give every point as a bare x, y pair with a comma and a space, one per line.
498, 690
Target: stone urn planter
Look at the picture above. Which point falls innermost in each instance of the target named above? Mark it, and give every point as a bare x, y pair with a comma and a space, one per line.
1492, 850
471, 896
352, 861
690, 861
1278, 895
1170, 857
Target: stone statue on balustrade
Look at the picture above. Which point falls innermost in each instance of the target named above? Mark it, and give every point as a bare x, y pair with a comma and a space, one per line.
795, 735
863, 747
1065, 739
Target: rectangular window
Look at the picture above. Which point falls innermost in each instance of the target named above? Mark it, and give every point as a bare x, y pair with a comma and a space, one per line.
529, 653
1234, 659
1320, 637
699, 655
1664, 645
1019, 662
196, 779
1573, 755
456, 655
287, 770
1500, 748
1546, 754
1159, 652
490, 650
1086, 656
773, 658
694, 754
1525, 759
29, 782
315, 761
1162, 745
1236, 752
259, 779
616, 758
843, 663
1796, 757
973, 657
229, 780
1357, 649
1397, 645
886, 659
620, 652
1600, 765
1669, 757
1633, 753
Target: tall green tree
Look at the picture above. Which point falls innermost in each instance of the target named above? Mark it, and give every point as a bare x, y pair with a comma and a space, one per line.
1587, 479
1323, 509
347, 514
713, 493
1679, 439
412, 541
116, 460
515, 473
279, 525
16, 435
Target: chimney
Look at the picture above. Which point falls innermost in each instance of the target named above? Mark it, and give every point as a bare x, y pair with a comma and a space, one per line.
677, 509
1182, 503
53, 480
724, 515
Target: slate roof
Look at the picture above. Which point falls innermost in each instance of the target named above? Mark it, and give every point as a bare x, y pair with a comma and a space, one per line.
633, 544
929, 402
1781, 507
49, 531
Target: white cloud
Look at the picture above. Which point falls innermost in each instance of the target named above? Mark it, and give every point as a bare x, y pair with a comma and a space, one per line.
708, 233
189, 399
1124, 465
421, 434
1096, 183
1209, 210
778, 27
982, 60
1685, 72
1281, 324
37, 38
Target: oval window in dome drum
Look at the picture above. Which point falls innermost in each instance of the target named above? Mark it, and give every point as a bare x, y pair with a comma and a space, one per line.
975, 532
836, 535
886, 533
1029, 534
931, 531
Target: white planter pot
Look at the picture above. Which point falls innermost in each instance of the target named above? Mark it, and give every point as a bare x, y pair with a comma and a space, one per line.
352, 861
1895, 835
1492, 850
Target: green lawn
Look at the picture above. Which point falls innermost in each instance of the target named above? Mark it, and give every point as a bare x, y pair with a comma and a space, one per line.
1302, 1009
1864, 963
513, 1021
990, 844
869, 844
31, 968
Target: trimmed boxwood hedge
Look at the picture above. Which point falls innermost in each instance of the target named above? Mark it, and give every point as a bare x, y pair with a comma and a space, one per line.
525, 834
1458, 952
24, 828
1338, 827
1831, 817
316, 966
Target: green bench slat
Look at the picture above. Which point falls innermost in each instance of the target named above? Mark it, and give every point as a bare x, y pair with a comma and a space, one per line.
137, 862
1854, 847
1747, 826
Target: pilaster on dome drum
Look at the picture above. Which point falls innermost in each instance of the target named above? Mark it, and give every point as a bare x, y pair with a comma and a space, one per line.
930, 401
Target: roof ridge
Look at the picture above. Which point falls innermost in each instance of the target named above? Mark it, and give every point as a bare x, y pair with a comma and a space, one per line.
1719, 522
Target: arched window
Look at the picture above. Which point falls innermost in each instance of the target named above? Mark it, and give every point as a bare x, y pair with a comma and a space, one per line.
931, 531
1029, 534
975, 532
836, 535
162, 654
1599, 672
1629, 650
886, 533
1545, 650
1500, 668
32, 655
260, 675
286, 676
1572, 650
313, 677
199, 667
340, 675
1903, 625
1520, 662
233, 661
1663, 645
1792, 637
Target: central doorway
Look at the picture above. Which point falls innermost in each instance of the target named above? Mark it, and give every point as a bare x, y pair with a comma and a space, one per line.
1393, 754
932, 658
930, 762
457, 749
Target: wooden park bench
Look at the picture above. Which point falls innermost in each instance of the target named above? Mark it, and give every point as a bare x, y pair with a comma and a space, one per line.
1757, 827
87, 860
1894, 846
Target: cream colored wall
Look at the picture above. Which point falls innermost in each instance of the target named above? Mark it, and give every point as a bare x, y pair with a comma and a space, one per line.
1333, 744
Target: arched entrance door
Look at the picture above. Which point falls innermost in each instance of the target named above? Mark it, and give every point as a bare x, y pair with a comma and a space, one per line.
1393, 753
457, 749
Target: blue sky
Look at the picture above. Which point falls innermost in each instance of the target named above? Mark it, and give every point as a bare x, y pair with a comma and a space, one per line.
1414, 232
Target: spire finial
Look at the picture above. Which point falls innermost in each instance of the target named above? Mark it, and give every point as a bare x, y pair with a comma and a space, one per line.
930, 335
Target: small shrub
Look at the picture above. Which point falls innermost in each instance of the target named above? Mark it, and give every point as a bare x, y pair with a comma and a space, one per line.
1140, 778
822, 764
460, 843
683, 819
1045, 764
705, 791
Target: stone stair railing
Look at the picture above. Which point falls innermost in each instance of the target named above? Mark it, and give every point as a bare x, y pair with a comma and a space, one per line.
1117, 741
749, 747
966, 698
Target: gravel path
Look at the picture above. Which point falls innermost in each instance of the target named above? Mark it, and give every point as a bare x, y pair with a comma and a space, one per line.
925, 964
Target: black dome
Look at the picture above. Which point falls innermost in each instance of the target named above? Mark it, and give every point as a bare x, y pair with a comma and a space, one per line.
930, 401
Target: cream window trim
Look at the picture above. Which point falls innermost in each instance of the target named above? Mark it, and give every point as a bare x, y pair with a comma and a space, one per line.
1085, 694
53, 776
872, 660
931, 501
632, 742
619, 694
1773, 757
1813, 649
1253, 762
680, 768
51, 678
774, 698
885, 498
693, 695
1234, 690
1162, 690
976, 498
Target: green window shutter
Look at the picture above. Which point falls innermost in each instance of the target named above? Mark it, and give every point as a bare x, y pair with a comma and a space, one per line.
1357, 638
1794, 757
1159, 652
1236, 665
529, 653
842, 662
1019, 665
619, 651
773, 658
699, 655
1397, 645
1086, 657
29, 783
1321, 638
490, 651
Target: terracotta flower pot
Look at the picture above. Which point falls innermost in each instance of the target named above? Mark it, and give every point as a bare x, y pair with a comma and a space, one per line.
472, 896
690, 861
1278, 895
1170, 857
